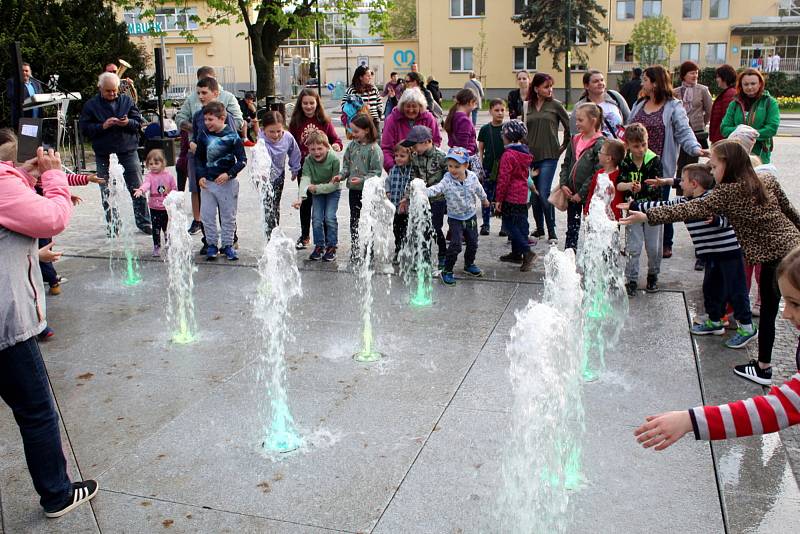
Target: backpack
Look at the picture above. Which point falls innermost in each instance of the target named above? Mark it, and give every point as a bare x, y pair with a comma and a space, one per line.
352, 105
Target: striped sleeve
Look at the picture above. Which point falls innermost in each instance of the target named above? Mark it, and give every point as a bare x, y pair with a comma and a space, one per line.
778, 409
72, 180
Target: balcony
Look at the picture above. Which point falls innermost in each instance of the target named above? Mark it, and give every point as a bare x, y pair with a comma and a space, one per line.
182, 84
788, 65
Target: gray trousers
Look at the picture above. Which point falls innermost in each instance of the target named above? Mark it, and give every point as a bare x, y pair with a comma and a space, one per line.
224, 197
651, 237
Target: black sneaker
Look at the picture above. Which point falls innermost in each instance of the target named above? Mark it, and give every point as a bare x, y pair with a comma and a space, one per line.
537, 233
484, 230
81, 492
302, 243
501, 233
631, 288
203, 250
194, 228
511, 258
751, 371
317, 254
652, 283
700, 264
330, 254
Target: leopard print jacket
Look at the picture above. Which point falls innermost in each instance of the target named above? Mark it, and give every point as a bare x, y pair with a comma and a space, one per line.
766, 233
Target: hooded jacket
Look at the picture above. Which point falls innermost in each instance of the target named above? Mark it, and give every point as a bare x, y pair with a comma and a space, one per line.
577, 173
512, 175
651, 168
24, 217
764, 116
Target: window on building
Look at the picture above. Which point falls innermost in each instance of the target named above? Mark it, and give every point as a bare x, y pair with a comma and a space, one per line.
524, 58
690, 52
460, 59
166, 19
184, 60
623, 53
719, 9
692, 9
789, 8
651, 8
519, 6
716, 53
467, 8
578, 34
626, 9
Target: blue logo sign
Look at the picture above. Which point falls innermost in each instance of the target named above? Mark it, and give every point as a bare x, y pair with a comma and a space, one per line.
404, 58
141, 28
330, 86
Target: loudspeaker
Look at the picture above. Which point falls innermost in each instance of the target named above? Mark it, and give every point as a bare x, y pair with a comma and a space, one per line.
167, 144
159, 71
16, 80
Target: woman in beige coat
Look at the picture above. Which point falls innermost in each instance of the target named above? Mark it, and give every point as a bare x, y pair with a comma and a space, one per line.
696, 100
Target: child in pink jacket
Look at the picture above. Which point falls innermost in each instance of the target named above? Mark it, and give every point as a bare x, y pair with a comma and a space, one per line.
157, 184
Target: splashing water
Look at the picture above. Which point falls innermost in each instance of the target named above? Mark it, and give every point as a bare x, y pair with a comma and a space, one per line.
279, 283
375, 239
415, 256
180, 260
261, 171
542, 461
121, 242
605, 301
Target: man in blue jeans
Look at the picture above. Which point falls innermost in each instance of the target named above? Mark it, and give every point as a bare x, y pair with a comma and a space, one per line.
112, 122
24, 385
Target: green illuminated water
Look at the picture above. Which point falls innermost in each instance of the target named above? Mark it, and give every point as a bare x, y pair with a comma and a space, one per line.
181, 269
422, 295
415, 265
133, 276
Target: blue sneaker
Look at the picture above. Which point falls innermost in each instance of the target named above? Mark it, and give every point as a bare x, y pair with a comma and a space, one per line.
211, 253
448, 279
230, 253
473, 270
316, 254
741, 338
708, 327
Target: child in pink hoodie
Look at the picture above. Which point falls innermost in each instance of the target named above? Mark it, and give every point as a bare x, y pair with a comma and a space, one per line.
157, 184
512, 193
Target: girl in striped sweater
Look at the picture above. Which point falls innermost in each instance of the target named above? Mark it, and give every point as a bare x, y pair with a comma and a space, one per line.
361, 85
772, 412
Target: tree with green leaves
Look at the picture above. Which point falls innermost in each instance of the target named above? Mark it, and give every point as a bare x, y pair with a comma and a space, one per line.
74, 39
401, 20
555, 26
269, 23
653, 41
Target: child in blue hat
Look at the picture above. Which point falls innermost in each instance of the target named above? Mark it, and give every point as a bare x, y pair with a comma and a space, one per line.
460, 186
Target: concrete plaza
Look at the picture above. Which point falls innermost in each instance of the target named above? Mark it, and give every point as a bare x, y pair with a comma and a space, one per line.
409, 444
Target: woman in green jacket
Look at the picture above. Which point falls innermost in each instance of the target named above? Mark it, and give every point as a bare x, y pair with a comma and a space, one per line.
754, 107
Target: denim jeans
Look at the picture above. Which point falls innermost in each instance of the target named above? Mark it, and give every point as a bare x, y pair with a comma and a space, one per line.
305, 216
515, 222
49, 273
133, 179
26, 390
486, 213
574, 211
543, 211
461, 231
438, 211
723, 281
475, 116
326, 227
636, 236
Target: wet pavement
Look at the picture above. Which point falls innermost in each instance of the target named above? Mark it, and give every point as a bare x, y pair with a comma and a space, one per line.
411, 444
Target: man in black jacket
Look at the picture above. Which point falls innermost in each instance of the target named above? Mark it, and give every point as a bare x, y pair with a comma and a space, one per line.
30, 87
113, 122
630, 91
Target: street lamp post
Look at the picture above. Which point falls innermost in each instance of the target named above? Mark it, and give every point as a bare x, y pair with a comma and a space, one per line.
567, 50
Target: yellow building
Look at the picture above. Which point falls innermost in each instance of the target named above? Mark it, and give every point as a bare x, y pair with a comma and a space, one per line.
710, 32
216, 46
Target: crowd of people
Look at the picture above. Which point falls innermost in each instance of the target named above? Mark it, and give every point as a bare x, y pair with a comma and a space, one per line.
648, 139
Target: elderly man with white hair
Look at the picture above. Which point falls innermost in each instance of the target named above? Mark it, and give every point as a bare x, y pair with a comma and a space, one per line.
113, 122
410, 111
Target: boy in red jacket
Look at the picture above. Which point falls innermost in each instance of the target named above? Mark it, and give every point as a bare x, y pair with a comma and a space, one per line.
610, 156
511, 193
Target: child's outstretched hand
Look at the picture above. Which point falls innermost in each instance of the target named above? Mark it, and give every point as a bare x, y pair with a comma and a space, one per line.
93, 178
137, 193
75, 199
47, 255
355, 180
663, 430
658, 182
336, 179
633, 216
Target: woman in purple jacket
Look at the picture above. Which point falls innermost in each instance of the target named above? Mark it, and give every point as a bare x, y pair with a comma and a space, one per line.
411, 110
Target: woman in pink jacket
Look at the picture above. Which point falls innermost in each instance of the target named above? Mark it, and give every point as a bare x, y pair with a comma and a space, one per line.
24, 217
411, 110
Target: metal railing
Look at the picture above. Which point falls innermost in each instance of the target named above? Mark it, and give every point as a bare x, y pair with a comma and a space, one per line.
182, 84
789, 65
